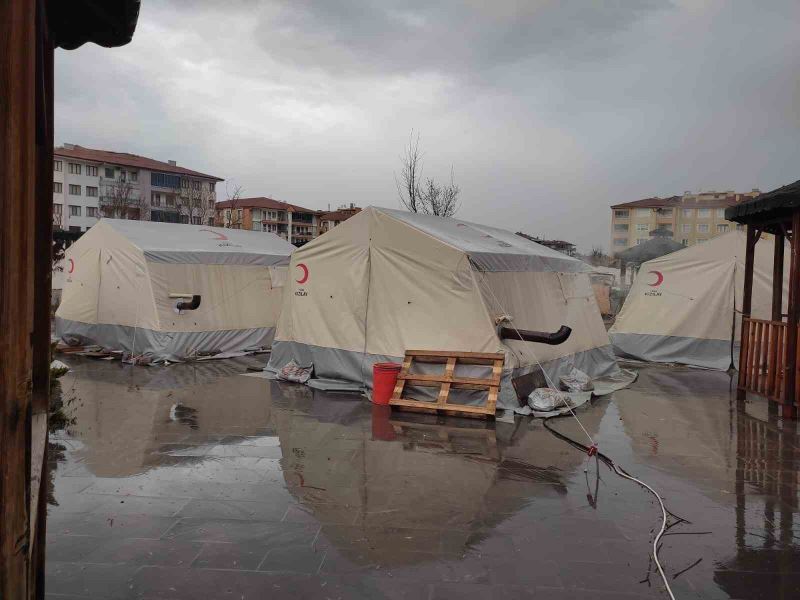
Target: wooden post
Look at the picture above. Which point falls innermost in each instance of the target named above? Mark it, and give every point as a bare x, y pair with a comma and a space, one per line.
777, 278
17, 205
747, 302
789, 391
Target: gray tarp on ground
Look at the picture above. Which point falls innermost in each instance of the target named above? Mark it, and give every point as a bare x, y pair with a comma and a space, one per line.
173, 346
711, 354
331, 363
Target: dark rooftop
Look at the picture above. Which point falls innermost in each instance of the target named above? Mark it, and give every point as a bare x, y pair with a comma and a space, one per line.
779, 203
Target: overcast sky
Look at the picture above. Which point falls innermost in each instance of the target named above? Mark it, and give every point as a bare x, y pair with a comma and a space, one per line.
548, 111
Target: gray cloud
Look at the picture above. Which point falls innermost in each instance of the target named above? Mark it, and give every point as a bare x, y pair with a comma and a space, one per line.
549, 111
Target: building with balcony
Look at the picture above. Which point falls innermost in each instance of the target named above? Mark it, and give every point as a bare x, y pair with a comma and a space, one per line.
329, 220
690, 219
89, 184
295, 224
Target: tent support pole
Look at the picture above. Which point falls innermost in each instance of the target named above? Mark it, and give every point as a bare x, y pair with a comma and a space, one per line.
789, 392
777, 278
747, 298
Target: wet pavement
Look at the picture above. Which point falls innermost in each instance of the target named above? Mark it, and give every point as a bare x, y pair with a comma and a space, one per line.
193, 481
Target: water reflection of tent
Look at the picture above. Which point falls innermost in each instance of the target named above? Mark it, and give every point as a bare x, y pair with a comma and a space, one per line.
451, 492
124, 425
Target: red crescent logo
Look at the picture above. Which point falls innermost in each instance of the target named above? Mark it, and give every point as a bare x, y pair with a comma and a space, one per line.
304, 269
659, 278
71, 265
220, 236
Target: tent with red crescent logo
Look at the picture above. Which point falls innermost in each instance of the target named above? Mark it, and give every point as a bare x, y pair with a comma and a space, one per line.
126, 279
685, 307
385, 281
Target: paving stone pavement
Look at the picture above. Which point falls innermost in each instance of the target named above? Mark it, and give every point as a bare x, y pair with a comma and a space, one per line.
193, 481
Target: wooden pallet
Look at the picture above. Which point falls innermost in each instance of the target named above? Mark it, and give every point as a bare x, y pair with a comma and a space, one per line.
448, 380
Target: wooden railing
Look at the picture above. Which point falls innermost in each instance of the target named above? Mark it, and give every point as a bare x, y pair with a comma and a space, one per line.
762, 357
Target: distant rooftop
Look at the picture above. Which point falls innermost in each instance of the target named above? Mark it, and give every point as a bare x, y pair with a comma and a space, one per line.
263, 202
126, 159
710, 199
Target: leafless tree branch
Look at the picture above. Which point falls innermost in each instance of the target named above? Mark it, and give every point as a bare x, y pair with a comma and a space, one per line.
424, 195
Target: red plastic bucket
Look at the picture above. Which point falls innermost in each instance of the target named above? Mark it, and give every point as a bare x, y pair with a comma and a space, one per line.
384, 378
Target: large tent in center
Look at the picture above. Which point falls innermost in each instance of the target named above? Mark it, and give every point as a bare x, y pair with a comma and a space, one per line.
685, 307
386, 281
124, 281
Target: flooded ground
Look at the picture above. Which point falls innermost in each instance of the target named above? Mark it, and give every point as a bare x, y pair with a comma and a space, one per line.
193, 481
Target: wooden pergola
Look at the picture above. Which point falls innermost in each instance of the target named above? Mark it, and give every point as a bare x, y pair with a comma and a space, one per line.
768, 359
30, 31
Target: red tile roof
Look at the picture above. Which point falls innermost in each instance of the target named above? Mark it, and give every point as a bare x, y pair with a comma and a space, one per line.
125, 159
263, 202
651, 203
690, 201
339, 215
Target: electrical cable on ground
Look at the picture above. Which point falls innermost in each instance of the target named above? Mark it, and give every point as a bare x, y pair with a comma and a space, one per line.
622, 473
592, 450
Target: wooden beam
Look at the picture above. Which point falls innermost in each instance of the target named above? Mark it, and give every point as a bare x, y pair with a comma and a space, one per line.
747, 303
777, 278
789, 390
18, 42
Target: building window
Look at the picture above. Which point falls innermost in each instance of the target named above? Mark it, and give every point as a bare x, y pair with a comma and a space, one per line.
74, 211
91, 191
74, 190
195, 185
617, 226
720, 213
110, 172
642, 212
642, 227
686, 228
134, 175
255, 214
740, 227
688, 213
74, 168
185, 183
58, 210
665, 212
256, 226
170, 200
620, 241
685, 242
165, 180
722, 228
702, 228
641, 241
57, 187
155, 199
703, 213
91, 211
91, 171
74, 228
57, 166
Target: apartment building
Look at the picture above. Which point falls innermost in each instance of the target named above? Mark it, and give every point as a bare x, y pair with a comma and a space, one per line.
329, 220
89, 183
690, 219
295, 224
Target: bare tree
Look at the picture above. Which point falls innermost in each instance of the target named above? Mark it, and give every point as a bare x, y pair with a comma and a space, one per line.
233, 204
425, 195
122, 201
196, 202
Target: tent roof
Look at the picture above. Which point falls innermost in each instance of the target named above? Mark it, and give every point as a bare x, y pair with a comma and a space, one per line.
490, 248
652, 248
181, 243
